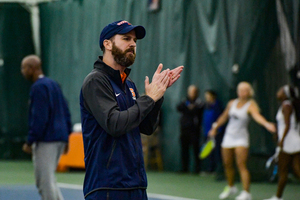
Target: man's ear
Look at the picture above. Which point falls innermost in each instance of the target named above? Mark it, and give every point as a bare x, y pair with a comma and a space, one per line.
107, 44
30, 68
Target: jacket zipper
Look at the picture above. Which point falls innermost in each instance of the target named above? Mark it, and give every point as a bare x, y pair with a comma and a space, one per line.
112, 151
134, 143
138, 157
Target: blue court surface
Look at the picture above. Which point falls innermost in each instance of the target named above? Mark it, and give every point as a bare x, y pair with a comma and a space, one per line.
69, 191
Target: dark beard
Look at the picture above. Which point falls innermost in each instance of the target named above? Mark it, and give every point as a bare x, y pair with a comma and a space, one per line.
120, 56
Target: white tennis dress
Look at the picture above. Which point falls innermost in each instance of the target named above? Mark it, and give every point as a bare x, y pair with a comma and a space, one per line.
291, 142
236, 133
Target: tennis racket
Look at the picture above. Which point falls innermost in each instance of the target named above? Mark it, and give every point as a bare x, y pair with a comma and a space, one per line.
273, 158
207, 148
272, 166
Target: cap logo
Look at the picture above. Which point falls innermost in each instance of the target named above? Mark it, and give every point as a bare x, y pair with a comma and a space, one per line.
123, 22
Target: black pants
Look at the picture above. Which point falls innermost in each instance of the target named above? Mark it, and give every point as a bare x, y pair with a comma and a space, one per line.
190, 137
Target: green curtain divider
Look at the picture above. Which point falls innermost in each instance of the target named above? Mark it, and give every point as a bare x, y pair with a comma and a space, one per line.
207, 37
15, 43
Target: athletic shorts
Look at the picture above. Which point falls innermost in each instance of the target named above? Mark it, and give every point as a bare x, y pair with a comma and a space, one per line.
232, 141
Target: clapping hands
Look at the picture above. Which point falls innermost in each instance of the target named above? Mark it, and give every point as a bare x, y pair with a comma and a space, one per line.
161, 80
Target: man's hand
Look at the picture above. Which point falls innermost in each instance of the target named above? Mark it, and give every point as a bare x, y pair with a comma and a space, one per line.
174, 75
160, 80
26, 148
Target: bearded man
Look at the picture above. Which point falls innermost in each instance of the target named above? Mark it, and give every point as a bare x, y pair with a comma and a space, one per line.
113, 115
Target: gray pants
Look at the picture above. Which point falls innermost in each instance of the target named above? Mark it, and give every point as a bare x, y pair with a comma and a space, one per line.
45, 156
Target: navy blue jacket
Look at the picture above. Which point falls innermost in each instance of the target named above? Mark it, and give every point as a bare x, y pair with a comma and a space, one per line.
49, 117
210, 115
113, 116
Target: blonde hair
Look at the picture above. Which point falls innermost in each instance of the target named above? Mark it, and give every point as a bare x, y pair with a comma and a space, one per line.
248, 85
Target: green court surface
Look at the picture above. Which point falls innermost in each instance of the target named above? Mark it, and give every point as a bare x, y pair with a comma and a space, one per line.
192, 186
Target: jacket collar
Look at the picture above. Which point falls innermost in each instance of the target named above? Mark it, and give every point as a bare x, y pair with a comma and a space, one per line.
112, 73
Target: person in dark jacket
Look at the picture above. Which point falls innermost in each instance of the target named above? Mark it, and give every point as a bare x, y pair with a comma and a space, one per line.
191, 110
113, 115
49, 127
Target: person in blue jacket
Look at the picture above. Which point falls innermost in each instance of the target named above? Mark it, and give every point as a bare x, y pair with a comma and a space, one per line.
113, 115
212, 110
49, 127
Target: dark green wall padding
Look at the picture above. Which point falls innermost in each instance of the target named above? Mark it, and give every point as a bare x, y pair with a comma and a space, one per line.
207, 37
15, 43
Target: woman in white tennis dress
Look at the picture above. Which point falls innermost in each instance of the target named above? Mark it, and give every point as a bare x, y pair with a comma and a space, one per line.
288, 123
235, 145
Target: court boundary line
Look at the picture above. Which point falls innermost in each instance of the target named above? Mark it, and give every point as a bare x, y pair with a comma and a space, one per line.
70, 186
151, 195
167, 197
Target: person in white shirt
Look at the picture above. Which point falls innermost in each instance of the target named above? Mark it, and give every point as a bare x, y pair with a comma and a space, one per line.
235, 144
288, 125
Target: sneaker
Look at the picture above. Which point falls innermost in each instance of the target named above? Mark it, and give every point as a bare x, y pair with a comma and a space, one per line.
274, 198
228, 191
244, 195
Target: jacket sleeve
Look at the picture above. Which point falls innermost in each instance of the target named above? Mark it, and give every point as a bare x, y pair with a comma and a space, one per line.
150, 123
68, 116
39, 113
99, 100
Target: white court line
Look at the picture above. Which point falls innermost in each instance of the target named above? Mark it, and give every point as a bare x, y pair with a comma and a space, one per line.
70, 186
167, 197
161, 196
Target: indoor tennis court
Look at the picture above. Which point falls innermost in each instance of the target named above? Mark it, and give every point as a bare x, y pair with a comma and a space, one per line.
220, 43
17, 182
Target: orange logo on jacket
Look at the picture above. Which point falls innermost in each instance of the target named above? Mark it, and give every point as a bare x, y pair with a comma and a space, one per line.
123, 22
133, 93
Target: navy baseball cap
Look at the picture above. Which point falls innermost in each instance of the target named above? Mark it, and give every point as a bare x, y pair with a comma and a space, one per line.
120, 27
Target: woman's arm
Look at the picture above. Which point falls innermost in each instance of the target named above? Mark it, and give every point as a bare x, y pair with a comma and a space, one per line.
287, 111
254, 112
220, 121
